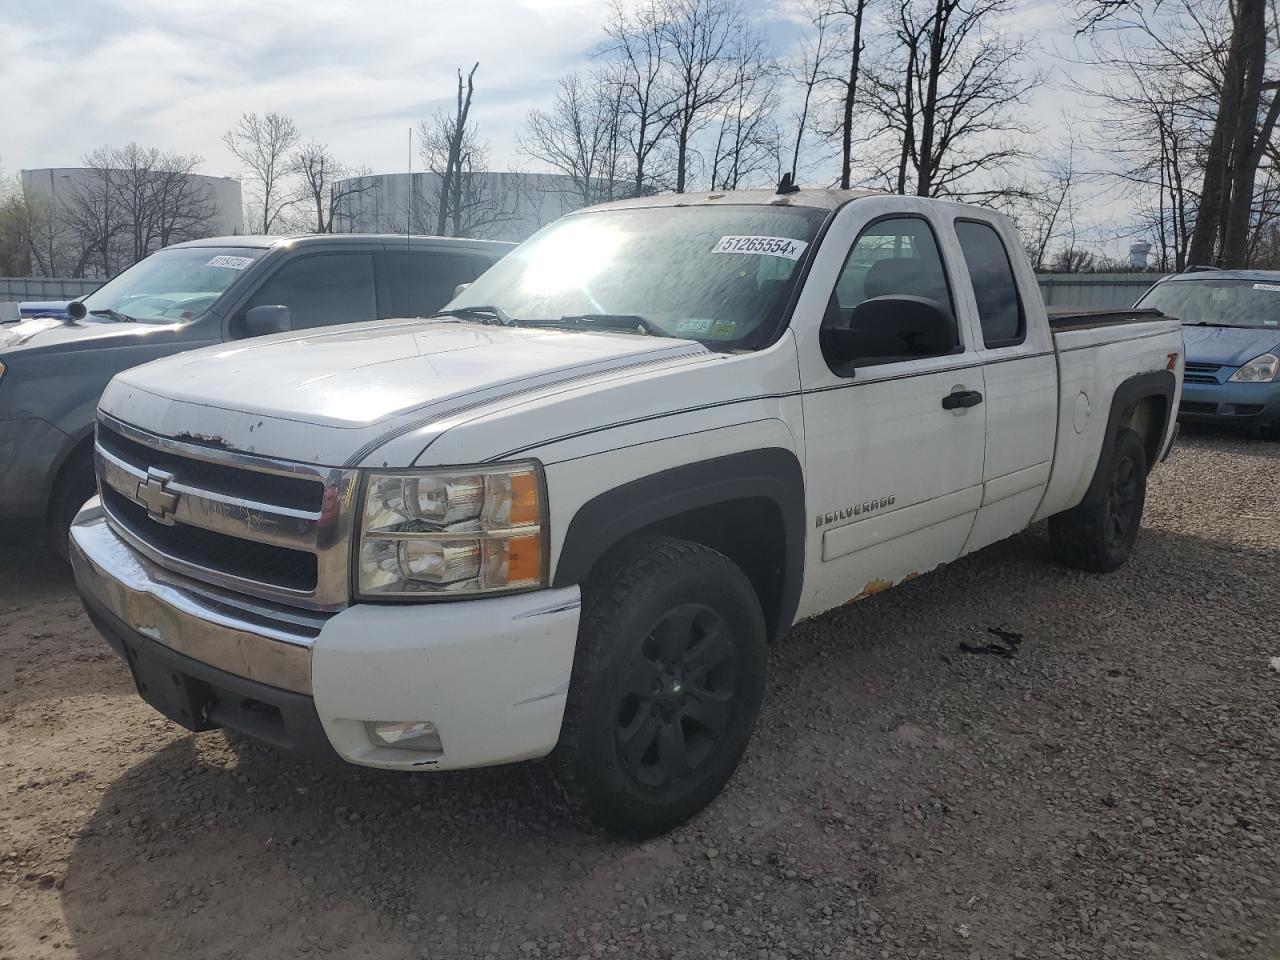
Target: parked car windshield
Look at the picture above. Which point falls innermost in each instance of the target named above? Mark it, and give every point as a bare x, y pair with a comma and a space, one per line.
1226, 303
171, 286
721, 275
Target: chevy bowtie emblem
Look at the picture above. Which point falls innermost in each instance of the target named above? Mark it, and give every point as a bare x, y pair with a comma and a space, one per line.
154, 494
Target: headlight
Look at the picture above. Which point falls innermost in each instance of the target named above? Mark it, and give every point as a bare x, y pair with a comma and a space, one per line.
452, 531
1259, 369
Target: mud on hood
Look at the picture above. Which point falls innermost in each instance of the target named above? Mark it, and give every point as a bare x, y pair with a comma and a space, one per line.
356, 383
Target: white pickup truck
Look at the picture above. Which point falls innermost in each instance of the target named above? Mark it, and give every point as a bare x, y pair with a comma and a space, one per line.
567, 516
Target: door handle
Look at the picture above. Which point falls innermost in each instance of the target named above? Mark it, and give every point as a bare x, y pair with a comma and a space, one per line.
961, 398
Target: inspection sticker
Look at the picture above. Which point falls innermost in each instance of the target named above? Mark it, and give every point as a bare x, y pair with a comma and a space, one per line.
1273, 287
767, 246
233, 263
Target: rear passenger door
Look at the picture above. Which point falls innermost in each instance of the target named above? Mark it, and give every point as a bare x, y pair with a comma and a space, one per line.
417, 283
1021, 375
893, 467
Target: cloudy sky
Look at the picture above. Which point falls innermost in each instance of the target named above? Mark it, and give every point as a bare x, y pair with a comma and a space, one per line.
77, 74
80, 73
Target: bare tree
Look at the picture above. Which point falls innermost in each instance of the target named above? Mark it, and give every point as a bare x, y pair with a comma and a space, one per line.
748, 142
461, 200
702, 38
264, 145
946, 95
451, 150
1243, 120
328, 188
812, 70
15, 229
1158, 83
850, 17
637, 49
580, 135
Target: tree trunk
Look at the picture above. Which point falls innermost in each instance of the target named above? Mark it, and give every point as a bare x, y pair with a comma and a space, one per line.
908, 119
929, 109
850, 95
1215, 194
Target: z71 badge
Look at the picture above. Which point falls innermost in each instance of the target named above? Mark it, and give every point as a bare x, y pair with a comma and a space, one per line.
857, 510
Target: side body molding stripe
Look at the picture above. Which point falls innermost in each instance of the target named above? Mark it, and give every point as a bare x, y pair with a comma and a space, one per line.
772, 474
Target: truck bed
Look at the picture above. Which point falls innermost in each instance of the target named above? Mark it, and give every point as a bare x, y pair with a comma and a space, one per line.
1073, 318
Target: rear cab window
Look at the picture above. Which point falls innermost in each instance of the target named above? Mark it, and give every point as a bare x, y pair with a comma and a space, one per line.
1000, 310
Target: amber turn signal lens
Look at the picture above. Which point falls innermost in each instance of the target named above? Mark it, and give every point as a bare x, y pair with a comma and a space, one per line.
524, 499
524, 560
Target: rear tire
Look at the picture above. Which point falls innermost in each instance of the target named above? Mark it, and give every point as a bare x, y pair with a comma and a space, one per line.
74, 486
1098, 536
667, 682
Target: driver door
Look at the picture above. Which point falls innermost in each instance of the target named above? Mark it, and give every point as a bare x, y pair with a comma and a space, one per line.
893, 463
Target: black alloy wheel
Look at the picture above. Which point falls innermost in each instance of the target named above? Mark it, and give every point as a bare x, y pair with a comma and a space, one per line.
677, 696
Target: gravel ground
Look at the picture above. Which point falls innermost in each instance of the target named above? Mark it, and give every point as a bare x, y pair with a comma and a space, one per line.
1113, 790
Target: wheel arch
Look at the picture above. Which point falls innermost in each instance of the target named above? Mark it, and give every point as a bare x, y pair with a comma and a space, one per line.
78, 444
1144, 404
749, 506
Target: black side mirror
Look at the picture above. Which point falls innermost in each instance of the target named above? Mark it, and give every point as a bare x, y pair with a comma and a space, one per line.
77, 310
268, 318
890, 328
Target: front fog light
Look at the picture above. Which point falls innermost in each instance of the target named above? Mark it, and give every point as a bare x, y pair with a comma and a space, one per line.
420, 735
452, 531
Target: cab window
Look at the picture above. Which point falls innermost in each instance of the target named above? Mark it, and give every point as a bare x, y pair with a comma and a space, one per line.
892, 258
1004, 322
322, 290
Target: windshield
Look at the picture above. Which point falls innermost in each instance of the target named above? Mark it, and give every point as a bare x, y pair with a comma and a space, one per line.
1227, 303
721, 275
171, 286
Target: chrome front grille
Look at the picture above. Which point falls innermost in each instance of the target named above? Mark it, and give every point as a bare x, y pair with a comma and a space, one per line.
267, 528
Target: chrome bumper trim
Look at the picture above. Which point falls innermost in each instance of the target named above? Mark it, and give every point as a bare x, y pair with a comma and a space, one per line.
161, 606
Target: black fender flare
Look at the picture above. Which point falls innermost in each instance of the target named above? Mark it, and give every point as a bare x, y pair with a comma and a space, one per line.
772, 474
1156, 383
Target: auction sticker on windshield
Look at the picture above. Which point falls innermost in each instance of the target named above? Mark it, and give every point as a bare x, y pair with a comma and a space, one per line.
1272, 287
766, 246
234, 263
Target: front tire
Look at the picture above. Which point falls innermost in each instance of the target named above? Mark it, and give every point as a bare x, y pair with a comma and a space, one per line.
667, 682
1099, 536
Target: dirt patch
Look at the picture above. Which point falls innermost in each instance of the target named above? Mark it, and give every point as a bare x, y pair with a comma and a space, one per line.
1109, 791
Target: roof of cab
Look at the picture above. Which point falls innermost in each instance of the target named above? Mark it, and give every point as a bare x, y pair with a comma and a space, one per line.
822, 199
327, 239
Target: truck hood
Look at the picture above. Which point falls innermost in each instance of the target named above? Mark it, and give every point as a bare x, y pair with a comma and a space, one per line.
358, 383
1228, 346
52, 335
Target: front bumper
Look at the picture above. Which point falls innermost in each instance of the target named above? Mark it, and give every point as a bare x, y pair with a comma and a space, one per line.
1243, 403
491, 674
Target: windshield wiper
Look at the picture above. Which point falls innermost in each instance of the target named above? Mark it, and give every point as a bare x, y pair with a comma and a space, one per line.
600, 321
114, 315
486, 314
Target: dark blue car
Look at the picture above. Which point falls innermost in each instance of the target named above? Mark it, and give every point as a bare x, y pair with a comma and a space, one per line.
1231, 327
